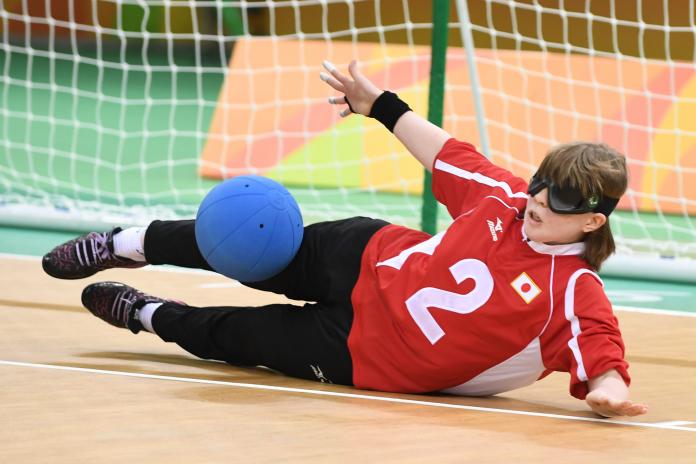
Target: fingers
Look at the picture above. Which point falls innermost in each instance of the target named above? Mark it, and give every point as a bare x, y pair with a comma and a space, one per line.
628, 408
354, 70
329, 66
341, 101
338, 81
636, 410
338, 100
365, 84
332, 82
609, 408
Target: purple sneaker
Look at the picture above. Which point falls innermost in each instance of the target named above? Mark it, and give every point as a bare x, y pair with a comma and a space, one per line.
85, 256
118, 304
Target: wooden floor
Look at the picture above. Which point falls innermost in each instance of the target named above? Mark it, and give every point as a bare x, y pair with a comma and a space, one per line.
73, 389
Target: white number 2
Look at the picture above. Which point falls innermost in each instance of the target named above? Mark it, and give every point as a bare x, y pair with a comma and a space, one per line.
424, 298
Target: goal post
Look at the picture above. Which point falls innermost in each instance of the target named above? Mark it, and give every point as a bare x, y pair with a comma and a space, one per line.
617, 72
118, 112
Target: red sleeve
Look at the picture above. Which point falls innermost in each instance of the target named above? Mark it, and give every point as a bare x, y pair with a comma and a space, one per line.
598, 345
462, 177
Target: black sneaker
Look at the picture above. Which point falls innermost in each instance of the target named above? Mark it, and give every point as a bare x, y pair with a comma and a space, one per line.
118, 304
85, 256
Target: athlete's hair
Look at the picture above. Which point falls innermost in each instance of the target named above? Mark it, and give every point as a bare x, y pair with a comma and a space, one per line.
594, 168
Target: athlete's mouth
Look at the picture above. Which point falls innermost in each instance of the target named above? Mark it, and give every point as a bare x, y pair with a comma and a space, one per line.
534, 217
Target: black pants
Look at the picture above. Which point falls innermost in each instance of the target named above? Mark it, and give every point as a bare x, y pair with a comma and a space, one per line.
308, 341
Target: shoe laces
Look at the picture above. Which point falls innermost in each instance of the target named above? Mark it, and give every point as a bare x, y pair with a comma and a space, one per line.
122, 304
94, 249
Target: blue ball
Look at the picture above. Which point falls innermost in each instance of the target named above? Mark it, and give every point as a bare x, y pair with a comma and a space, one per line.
249, 228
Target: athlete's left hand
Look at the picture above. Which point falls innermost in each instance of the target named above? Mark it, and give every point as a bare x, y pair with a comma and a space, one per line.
603, 404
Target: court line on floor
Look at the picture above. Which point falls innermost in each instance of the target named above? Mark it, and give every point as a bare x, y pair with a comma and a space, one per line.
669, 425
676, 422
660, 312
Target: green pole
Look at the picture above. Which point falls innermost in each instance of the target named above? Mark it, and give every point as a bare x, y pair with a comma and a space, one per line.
436, 91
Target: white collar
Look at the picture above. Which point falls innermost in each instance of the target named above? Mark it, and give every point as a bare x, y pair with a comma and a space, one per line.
568, 249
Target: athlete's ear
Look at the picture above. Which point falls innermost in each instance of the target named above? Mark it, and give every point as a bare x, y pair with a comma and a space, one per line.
594, 222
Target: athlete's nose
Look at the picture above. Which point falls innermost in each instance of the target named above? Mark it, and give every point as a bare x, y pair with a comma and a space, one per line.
542, 198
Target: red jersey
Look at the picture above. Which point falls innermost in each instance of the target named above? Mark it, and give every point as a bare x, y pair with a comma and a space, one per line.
478, 309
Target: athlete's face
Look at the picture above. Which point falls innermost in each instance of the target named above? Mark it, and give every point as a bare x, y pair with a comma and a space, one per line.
543, 225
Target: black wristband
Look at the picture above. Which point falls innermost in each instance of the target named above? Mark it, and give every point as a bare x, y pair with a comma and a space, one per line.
388, 108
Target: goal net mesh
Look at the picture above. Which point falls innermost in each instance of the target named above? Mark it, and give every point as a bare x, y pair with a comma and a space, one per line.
125, 111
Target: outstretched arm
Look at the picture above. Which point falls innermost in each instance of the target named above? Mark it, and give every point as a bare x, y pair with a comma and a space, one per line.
421, 138
608, 396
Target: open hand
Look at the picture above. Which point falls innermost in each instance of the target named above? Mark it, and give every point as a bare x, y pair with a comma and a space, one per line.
604, 405
359, 93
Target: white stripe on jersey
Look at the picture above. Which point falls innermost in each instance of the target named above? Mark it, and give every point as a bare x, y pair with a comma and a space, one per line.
551, 277
476, 177
520, 370
427, 247
501, 201
573, 319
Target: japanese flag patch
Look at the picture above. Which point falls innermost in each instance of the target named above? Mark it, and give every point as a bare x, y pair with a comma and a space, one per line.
525, 287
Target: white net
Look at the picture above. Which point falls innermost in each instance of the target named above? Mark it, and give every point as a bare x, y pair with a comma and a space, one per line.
620, 72
123, 111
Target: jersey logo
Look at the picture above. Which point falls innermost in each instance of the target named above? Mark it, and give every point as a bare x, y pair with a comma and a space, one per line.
495, 228
525, 287
319, 374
